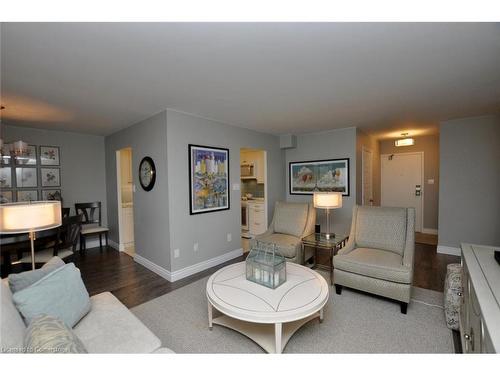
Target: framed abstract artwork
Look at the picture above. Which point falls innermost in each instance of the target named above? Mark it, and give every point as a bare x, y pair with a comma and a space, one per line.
26, 178
208, 179
306, 177
27, 195
49, 155
51, 177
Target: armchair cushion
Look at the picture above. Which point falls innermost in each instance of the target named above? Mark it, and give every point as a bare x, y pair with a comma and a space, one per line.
379, 264
290, 218
288, 246
381, 228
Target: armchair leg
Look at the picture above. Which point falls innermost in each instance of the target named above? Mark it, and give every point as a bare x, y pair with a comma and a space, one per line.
404, 307
338, 289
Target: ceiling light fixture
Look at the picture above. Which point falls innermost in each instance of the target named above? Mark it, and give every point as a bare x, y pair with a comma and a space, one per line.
404, 141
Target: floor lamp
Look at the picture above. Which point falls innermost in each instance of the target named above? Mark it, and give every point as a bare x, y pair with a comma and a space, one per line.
29, 217
327, 201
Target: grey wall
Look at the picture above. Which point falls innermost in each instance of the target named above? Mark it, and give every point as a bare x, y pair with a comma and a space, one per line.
430, 146
370, 143
469, 205
151, 219
210, 230
82, 162
335, 144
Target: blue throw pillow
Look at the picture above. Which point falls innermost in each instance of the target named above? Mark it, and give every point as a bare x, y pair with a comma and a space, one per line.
19, 281
61, 294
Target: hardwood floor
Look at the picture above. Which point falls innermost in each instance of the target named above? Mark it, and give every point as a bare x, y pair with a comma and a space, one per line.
133, 284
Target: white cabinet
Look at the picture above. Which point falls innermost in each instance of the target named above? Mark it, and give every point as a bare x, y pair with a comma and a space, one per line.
256, 218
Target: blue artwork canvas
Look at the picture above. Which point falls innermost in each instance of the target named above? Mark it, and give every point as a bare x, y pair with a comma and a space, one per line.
209, 179
306, 177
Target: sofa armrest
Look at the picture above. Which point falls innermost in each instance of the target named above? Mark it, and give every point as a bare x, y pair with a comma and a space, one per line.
409, 250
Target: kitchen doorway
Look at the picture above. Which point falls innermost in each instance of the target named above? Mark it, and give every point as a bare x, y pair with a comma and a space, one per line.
254, 200
125, 190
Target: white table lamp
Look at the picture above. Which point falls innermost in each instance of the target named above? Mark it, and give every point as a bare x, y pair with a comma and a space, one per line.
327, 201
30, 217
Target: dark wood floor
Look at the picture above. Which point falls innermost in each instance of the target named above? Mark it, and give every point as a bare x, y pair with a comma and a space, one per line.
134, 284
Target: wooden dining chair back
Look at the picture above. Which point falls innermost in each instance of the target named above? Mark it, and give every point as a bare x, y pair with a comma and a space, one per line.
65, 212
69, 233
91, 223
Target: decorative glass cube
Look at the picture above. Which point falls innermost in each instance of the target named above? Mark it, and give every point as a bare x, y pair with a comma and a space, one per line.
265, 265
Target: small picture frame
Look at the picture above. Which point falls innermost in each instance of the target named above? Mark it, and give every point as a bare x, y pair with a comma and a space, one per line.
27, 195
49, 155
29, 159
51, 177
26, 177
5, 177
50, 194
6, 196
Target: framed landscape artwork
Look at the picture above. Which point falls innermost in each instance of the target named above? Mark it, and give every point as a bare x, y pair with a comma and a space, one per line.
51, 177
49, 155
208, 179
306, 177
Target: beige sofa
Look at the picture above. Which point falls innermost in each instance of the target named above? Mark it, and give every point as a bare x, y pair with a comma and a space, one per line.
378, 258
291, 222
109, 327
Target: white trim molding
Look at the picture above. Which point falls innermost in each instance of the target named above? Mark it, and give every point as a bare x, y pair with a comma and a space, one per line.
448, 250
116, 246
198, 267
153, 267
190, 270
429, 231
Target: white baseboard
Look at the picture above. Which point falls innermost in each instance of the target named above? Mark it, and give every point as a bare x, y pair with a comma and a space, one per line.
448, 250
429, 231
153, 267
198, 267
116, 246
187, 271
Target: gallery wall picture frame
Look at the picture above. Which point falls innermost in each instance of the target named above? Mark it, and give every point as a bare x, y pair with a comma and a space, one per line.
27, 195
208, 179
26, 177
29, 159
5, 177
48, 194
50, 155
5, 157
50, 177
6, 196
330, 175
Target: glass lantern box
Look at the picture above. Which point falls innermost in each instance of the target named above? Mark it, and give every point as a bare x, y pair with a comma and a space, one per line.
265, 265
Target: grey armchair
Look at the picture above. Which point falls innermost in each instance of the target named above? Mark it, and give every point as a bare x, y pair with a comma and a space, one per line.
291, 222
378, 257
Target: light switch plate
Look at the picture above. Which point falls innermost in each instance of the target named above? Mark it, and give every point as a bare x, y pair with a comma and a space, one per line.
430, 181
236, 186
176, 253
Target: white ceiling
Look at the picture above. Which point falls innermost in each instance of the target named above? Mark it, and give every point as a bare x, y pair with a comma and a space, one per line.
275, 78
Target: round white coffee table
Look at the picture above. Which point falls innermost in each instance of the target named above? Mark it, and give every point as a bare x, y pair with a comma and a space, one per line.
269, 317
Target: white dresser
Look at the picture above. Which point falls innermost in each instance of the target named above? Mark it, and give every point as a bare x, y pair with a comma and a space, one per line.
480, 309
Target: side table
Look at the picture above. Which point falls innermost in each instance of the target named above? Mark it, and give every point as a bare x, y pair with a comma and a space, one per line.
319, 241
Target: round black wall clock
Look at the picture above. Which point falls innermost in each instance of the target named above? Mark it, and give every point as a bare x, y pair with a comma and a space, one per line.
147, 173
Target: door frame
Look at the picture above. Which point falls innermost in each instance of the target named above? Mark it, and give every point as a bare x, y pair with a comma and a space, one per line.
421, 153
363, 149
121, 245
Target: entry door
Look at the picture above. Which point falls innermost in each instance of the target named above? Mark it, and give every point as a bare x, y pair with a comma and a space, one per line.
401, 182
367, 177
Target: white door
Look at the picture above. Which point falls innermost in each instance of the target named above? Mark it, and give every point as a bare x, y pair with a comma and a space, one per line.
401, 182
367, 177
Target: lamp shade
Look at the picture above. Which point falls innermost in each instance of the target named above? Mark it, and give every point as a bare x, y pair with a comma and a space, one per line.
29, 216
327, 200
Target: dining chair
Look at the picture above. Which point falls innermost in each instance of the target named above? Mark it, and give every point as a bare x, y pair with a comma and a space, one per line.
64, 244
65, 212
91, 223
